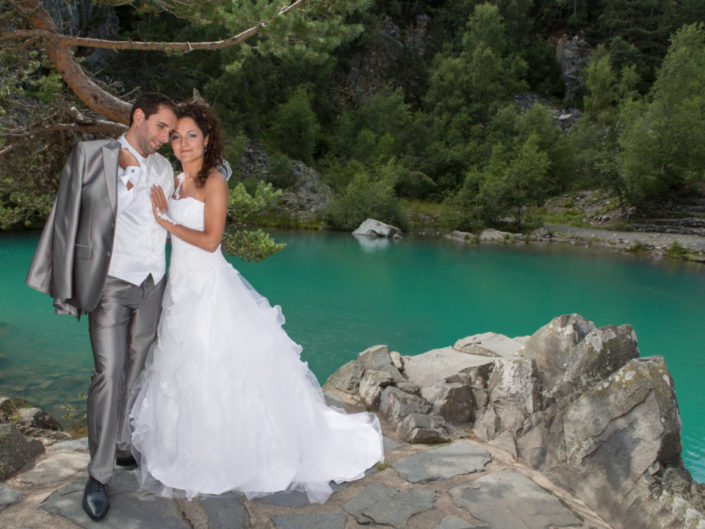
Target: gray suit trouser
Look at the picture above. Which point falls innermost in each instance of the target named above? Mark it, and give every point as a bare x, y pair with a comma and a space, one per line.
122, 328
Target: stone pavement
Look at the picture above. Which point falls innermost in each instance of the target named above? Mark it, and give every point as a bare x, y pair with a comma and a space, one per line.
460, 485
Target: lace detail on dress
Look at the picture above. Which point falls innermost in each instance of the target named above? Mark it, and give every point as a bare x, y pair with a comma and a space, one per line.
181, 177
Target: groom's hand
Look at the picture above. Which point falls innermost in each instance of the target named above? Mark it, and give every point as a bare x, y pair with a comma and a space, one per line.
127, 159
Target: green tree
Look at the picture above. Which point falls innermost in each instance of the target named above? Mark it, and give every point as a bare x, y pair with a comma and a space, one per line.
296, 127
485, 73
377, 130
370, 194
662, 147
519, 183
609, 102
464, 91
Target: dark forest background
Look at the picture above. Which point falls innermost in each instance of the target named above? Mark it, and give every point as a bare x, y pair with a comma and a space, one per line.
460, 113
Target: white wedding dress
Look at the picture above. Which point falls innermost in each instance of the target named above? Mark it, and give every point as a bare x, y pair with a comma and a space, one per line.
225, 403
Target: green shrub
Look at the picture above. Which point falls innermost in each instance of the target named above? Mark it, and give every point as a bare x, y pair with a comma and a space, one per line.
676, 251
413, 184
364, 198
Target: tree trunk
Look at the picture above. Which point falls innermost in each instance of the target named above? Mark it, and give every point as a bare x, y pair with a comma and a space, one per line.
61, 55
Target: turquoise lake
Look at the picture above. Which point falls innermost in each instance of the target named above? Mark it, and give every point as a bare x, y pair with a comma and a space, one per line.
340, 296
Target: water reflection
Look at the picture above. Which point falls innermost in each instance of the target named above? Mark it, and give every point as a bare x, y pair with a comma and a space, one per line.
372, 244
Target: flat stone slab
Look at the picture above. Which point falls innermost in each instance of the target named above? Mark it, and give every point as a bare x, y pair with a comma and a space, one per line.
428, 368
225, 511
298, 499
56, 467
294, 499
76, 445
324, 520
489, 344
383, 505
390, 444
130, 507
510, 500
8, 497
460, 457
453, 522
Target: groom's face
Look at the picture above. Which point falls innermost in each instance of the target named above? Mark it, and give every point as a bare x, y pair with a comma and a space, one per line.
153, 131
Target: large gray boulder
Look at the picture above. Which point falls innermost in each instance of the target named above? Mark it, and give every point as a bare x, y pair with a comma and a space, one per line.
618, 430
513, 395
578, 405
376, 228
423, 428
571, 354
31, 421
372, 385
16, 450
37, 418
379, 372
575, 402
560, 334
378, 358
23, 413
346, 379
618, 448
396, 404
452, 400
428, 368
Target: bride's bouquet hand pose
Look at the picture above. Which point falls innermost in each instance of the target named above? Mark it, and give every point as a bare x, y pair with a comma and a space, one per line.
225, 402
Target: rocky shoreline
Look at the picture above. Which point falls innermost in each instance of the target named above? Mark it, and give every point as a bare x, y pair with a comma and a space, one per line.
657, 245
572, 401
567, 428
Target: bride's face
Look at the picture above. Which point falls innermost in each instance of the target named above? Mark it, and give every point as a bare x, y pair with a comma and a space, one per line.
188, 141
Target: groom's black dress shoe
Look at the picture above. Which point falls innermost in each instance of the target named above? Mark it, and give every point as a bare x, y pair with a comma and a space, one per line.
95, 499
125, 461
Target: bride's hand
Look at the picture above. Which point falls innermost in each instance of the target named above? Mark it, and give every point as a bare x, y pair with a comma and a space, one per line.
160, 206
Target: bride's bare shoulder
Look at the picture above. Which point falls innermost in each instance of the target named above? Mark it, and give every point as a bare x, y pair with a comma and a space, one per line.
216, 182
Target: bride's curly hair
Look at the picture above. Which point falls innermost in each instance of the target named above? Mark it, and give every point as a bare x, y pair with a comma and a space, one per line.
210, 126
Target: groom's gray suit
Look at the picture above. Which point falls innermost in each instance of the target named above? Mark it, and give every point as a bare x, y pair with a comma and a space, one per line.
72, 257
71, 264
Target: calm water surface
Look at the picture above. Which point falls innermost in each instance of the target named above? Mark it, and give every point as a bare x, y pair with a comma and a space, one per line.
340, 296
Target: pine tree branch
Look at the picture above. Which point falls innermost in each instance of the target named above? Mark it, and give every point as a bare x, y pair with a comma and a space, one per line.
58, 49
70, 40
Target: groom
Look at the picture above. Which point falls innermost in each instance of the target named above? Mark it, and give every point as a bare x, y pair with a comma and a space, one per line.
102, 253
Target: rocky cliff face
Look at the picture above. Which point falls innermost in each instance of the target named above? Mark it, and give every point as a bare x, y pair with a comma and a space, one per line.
572, 54
573, 401
388, 47
84, 18
303, 191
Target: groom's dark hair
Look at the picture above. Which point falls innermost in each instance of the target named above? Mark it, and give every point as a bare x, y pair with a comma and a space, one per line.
150, 102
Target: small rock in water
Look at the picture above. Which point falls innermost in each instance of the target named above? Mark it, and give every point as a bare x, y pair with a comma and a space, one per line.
375, 228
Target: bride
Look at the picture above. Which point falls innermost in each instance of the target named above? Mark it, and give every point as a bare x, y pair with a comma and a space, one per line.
225, 403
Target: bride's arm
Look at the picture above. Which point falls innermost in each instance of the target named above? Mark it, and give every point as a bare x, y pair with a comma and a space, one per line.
215, 210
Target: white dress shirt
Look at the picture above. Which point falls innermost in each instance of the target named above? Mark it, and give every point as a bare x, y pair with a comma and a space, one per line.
138, 247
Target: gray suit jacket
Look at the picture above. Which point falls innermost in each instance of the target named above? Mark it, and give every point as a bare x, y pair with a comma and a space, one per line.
73, 255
